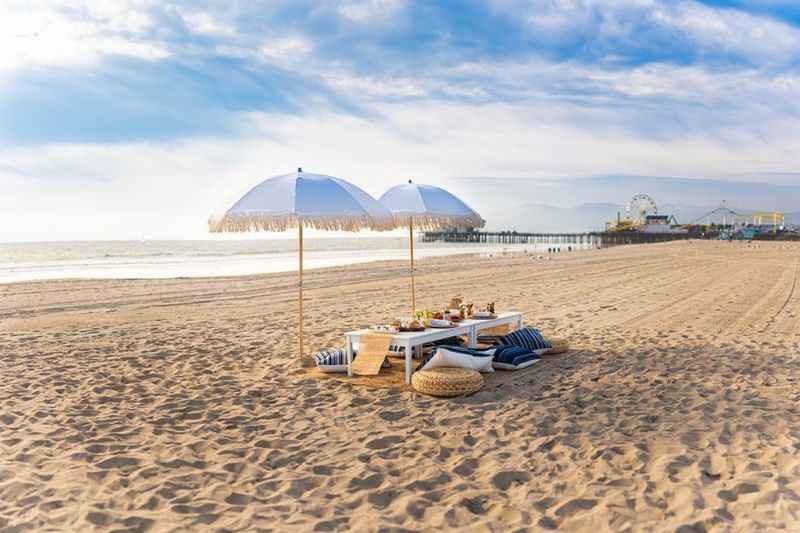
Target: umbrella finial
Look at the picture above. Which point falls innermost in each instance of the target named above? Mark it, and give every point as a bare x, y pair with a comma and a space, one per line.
299, 169
409, 181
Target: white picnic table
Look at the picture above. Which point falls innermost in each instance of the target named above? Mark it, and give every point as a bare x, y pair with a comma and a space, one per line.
409, 340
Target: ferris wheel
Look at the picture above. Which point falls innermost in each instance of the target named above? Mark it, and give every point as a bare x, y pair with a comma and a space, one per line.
640, 206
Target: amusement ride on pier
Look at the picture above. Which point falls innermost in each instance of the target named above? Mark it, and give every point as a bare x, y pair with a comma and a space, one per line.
642, 224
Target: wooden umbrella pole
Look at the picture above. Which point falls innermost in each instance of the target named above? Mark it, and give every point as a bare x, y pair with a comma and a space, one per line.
300, 322
411, 244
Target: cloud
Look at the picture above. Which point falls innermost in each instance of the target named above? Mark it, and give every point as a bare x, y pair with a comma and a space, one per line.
286, 51
41, 33
155, 71
646, 31
126, 99
167, 190
107, 96
370, 11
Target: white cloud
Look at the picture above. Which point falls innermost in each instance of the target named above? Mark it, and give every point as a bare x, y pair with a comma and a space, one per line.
707, 29
504, 118
168, 190
36, 33
285, 51
760, 38
369, 11
208, 23
375, 87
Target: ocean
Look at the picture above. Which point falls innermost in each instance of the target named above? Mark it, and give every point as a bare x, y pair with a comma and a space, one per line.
172, 259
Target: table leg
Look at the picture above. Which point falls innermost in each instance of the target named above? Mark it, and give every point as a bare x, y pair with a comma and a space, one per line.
473, 336
409, 360
349, 349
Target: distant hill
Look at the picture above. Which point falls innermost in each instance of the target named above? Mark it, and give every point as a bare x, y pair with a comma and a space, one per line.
581, 204
547, 218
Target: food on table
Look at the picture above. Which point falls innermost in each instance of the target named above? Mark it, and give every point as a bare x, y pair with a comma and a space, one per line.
455, 302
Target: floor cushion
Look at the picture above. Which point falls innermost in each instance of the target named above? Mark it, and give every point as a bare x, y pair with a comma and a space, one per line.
331, 360
507, 357
558, 346
447, 381
457, 357
519, 363
334, 360
530, 338
505, 353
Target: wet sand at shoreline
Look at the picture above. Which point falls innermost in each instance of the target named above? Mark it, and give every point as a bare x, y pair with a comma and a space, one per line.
176, 404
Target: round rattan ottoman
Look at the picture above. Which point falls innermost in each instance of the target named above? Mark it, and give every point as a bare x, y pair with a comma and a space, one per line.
447, 381
559, 346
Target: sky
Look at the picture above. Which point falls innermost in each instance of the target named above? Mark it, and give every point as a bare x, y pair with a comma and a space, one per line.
138, 119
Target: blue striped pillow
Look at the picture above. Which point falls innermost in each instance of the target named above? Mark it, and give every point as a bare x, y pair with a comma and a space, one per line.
530, 338
331, 357
506, 353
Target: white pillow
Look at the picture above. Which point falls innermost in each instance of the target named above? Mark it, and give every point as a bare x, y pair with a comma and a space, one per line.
445, 357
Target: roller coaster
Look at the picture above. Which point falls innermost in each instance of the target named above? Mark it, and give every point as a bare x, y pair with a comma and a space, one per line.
771, 221
642, 215
728, 216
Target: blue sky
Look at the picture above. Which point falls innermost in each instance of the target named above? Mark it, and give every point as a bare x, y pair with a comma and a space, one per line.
105, 102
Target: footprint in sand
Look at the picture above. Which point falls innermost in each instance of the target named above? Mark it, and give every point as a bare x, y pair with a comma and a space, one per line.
392, 416
118, 462
466, 468
575, 506
384, 442
475, 505
504, 480
236, 498
339, 524
370, 482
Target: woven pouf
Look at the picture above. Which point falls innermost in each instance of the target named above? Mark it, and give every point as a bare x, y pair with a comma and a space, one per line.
447, 381
558, 346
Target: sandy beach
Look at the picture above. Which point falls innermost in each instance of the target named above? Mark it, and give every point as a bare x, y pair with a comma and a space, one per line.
166, 405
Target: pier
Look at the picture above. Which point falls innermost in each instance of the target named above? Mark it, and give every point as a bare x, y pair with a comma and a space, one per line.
594, 239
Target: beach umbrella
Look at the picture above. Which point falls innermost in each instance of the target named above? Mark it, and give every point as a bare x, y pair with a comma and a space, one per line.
299, 200
427, 207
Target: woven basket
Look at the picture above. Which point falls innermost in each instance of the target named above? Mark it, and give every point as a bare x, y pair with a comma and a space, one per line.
447, 381
559, 346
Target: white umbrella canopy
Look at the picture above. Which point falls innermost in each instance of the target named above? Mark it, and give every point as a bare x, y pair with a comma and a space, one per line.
427, 207
319, 201
303, 199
